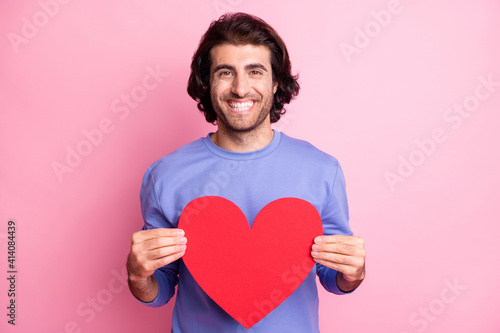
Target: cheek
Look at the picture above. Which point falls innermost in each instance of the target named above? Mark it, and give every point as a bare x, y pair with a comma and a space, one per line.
267, 85
265, 90
219, 87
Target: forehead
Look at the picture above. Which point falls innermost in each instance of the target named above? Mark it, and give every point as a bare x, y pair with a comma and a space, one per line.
240, 55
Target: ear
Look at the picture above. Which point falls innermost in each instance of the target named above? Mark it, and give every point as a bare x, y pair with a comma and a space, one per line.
275, 87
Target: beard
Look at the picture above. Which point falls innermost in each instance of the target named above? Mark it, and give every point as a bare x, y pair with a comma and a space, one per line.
241, 123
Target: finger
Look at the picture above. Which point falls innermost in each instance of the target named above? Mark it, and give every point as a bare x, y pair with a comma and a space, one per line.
160, 242
143, 263
339, 248
158, 232
160, 262
148, 268
165, 232
351, 240
349, 272
164, 251
336, 258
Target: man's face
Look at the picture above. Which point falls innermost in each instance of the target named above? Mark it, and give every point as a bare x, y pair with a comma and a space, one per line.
241, 86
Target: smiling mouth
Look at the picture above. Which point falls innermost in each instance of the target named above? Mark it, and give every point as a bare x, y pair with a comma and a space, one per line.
240, 107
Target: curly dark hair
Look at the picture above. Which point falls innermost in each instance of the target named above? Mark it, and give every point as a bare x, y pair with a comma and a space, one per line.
242, 29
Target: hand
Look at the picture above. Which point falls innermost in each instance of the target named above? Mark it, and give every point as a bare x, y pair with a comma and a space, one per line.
152, 249
345, 254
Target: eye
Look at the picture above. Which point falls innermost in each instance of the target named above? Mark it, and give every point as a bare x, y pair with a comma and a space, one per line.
255, 72
225, 73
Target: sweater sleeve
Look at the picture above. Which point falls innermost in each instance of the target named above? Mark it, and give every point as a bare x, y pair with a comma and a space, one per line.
335, 217
152, 213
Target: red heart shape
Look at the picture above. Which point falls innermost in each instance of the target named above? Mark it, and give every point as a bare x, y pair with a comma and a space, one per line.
247, 271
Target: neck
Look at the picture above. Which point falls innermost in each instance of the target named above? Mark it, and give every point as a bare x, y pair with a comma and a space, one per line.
243, 142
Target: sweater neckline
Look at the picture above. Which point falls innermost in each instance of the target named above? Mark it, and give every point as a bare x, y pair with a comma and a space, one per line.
232, 155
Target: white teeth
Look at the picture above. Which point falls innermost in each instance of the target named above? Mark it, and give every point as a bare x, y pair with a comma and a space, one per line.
240, 106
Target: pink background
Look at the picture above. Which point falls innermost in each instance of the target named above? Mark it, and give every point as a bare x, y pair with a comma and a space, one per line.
434, 227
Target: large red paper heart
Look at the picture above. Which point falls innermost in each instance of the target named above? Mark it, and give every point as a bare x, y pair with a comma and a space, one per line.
247, 271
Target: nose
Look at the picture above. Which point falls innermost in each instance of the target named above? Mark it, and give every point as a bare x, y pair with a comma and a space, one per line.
240, 85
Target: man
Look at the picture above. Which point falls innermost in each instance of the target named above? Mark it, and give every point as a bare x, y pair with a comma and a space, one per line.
241, 78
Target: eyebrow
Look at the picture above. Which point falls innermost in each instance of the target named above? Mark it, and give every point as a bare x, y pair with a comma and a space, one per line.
247, 67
